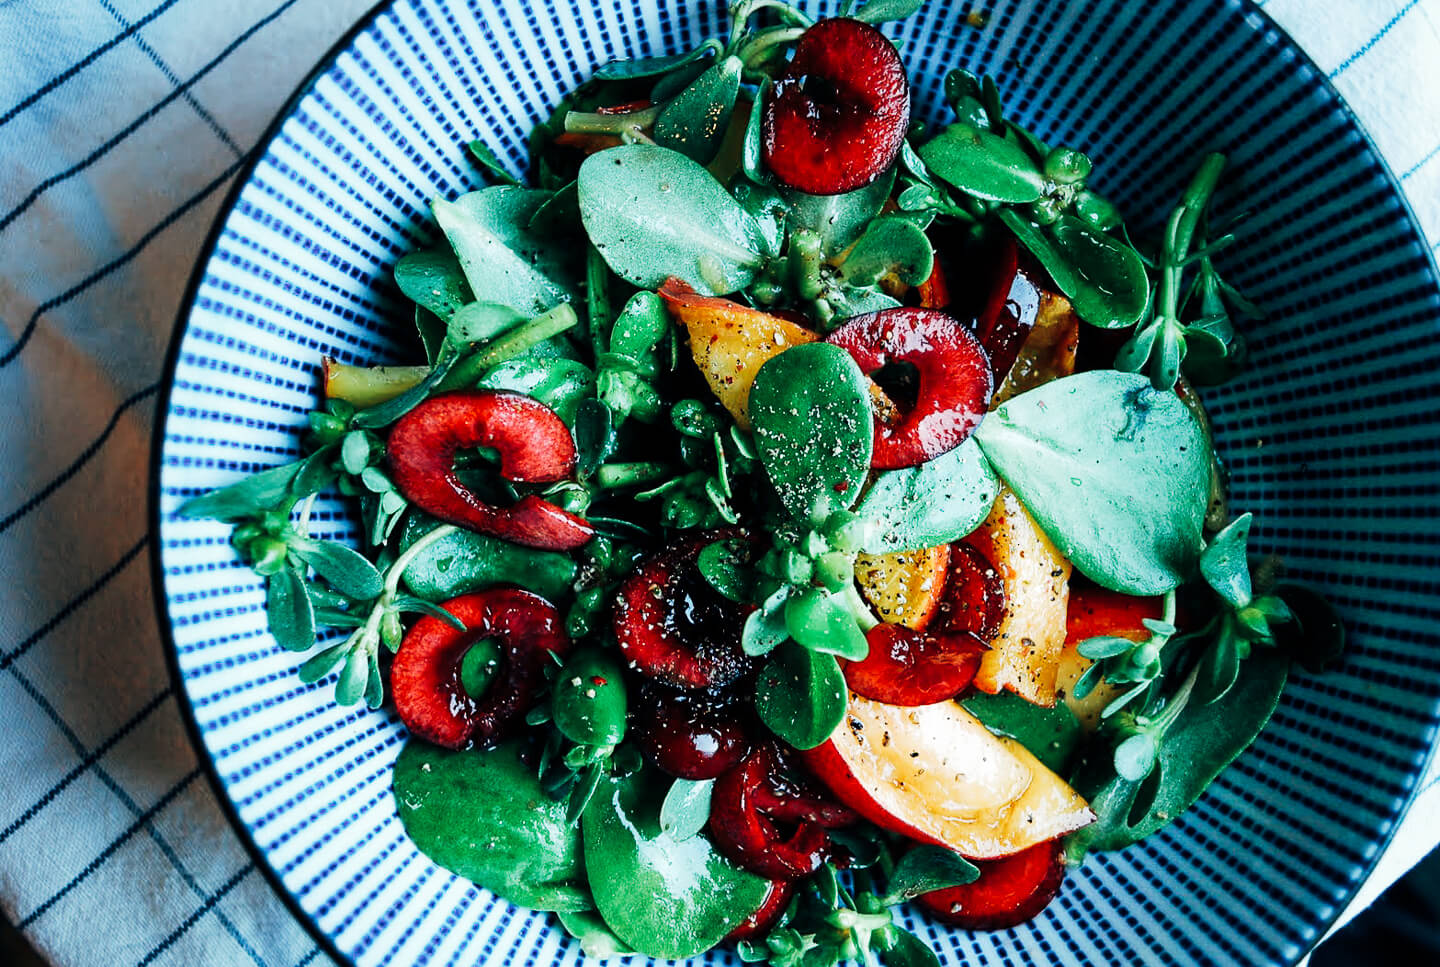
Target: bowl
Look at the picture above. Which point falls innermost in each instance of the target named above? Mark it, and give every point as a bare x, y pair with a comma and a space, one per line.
1330, 437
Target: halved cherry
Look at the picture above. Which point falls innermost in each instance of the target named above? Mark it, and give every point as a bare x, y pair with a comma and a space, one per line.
974, 598
743, 822
838, 114
534, 447
674, 627
767, 913
1010, 890
691, 733
954, 380
906, 667
425, 677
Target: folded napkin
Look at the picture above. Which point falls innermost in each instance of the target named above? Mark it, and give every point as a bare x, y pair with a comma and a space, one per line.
122, 124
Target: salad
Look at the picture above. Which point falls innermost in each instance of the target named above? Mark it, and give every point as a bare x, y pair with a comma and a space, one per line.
793, 511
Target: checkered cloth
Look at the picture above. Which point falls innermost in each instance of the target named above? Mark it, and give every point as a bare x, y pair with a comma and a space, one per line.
122, 123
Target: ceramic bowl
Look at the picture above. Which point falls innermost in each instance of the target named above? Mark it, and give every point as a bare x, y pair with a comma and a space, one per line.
1330, 437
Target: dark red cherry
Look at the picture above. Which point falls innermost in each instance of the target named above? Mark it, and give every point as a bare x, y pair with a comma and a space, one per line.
691, 733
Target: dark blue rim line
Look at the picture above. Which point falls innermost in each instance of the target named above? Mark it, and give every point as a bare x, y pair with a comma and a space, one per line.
172, 358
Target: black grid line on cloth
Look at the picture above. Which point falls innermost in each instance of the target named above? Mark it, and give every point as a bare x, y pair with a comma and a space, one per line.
39, 496
182, 90
208, 906
120, 261
8, 658
83, 63
88, 760
143, 820
159, 62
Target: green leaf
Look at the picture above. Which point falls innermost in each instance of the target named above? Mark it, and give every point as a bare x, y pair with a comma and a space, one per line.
654, 213
801, 695
483, 815
722, 565
348, 571
908, 950
686, 808
811, 411
464, 561
1135, 757
1225, 566
765, 628
409, 604
355, 452
937, 502
323, 663
502, 259
1115, 472
354, 677
694, 123
558, 383
316, 473
927, 868
490, 164
880, 11
288, 611
478, 322
814, 620
597, 941
594, 436
248, 497
1104, 278
640, 328
1203, 740
890, 244
621, 70
667, 898
1053, 735
432, 333
838, 219
983, 164
435, 281
1104, 646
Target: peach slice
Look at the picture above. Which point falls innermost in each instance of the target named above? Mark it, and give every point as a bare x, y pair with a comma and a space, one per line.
904, 588
936, 774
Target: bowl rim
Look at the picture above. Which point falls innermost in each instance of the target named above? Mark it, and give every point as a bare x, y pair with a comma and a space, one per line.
258, 857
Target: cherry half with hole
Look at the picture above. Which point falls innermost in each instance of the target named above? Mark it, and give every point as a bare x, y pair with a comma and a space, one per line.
954, 380
1010, 890
974, 597
837, 116
908, 667
534, 446
426, 675
691, 733
748, 806
674, 627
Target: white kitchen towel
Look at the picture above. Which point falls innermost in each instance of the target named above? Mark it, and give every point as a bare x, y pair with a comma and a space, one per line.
122, 123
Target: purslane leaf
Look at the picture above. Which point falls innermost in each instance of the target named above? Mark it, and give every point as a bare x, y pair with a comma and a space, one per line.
252, 495
934, 503
926, 868
696, 120
653, 213
801, 695
1116, 473
983, 164
288, 611
686, 808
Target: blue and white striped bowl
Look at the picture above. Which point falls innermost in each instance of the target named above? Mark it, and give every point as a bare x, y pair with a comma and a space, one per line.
1331, 437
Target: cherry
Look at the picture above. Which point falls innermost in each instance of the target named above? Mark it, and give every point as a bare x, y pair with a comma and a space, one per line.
674, 627
745, 804
767, 913
1010, 890
954, 380
837, 116
425, 676
534, 446
974, 598
907, 667
691, 733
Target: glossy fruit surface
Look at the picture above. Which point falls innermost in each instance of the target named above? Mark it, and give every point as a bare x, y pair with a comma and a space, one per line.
954, 380
534, 447
937, 775
744, 825
1010, 891
973, 597
674, 627
906, 667
837, 117
904, 588
692, 733
425, 676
